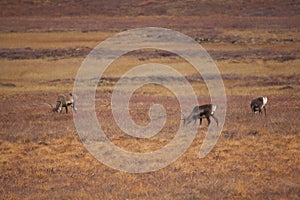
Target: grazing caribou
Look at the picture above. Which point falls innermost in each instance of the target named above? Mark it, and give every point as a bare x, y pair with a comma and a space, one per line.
63, 101
200, 112
258, 104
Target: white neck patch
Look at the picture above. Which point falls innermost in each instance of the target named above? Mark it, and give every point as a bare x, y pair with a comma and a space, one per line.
265, 100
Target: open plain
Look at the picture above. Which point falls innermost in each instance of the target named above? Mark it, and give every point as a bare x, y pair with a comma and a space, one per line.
256, 46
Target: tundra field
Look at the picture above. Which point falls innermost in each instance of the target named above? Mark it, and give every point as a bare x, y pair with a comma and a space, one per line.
256, 157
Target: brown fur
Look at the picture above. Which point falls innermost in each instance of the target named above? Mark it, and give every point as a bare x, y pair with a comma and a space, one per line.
199, 112
63, 101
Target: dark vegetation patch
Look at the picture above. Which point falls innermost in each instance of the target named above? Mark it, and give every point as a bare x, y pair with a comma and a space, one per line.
266, 55
253, 133
148, 8
29, 53
7, 84
217, 37
192, 17
229, 134
56, 82
273, 80
287, 87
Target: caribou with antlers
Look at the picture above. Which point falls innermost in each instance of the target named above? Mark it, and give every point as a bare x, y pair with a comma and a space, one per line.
63, 101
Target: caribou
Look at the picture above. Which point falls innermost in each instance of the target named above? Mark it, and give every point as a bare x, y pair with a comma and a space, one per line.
258, 104
63, 101
200, 112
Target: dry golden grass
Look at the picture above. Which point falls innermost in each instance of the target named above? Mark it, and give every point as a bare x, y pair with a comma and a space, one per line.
54, 39
41, 156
